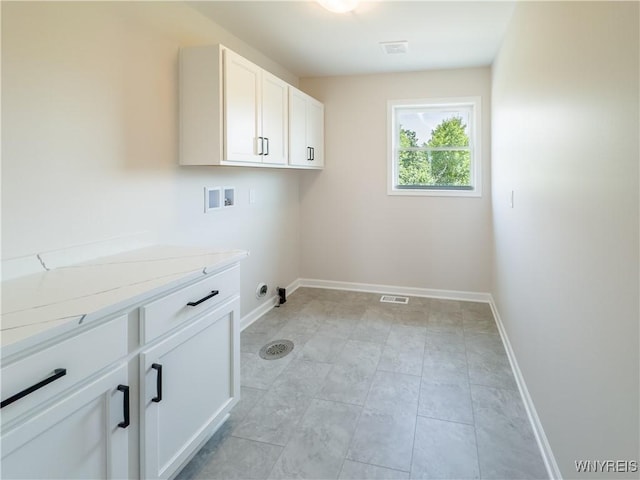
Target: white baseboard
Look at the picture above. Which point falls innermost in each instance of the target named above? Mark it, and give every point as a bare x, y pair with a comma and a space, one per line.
270, 303
266, 306
543, 443
395, 290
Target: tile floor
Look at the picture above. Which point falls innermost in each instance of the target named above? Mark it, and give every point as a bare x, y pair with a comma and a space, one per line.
374, 391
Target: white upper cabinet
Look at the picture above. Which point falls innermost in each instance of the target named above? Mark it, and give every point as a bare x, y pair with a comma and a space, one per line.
233, 112
242, 110
275, 113
201, 104
306, 130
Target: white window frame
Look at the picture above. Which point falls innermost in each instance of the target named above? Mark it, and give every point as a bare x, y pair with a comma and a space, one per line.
474, 146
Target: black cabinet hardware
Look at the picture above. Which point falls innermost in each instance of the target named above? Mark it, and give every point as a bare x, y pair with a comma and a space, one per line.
204, 299
261, 140
267, 151
125, 406
158, 397
57, 373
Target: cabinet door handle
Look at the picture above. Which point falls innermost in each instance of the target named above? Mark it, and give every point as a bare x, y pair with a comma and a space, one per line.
125, 406
57, 373
158, 397
308, 154
204, 299
313, 154
267, 151
261, 142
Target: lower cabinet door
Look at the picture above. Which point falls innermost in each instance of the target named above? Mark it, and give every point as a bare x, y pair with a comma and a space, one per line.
77, 437
189, 382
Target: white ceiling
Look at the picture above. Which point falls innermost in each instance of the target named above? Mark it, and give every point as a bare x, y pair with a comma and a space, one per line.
310, 41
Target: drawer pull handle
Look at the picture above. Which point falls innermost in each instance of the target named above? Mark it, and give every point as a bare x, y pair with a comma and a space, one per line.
57, 373
125, 405
158, 397
204, 299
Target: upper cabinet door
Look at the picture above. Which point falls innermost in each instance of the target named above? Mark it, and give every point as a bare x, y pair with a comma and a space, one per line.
315, 131
242, 110
306, 130
274, 119
299, 153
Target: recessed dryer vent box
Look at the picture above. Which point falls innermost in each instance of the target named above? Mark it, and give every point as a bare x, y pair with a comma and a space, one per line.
212, 198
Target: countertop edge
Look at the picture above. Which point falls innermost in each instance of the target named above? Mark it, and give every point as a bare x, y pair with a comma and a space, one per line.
71, 325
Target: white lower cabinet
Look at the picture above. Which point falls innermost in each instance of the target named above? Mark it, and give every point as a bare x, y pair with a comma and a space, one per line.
78, 409
83, 436
189, 382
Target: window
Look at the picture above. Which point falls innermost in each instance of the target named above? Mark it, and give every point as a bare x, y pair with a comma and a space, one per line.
434, 147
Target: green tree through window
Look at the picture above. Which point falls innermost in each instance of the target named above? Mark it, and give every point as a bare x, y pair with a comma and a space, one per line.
414, 164
444, 160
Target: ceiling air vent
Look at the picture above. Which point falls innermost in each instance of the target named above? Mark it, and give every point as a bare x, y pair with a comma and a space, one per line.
394, 299
395, 47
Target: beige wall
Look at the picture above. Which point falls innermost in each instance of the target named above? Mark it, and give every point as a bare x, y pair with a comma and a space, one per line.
352, 230
89, 139
565, 139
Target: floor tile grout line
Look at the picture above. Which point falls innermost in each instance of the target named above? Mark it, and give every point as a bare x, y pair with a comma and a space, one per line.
362, 410
447, 420
494, 386
346, 454
382, 466
337, 401
291, 436
413, 444
473, 408
257, 441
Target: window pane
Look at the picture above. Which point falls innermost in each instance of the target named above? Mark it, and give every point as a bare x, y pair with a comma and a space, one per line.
451, 168
413, 168
448, 168
422, 127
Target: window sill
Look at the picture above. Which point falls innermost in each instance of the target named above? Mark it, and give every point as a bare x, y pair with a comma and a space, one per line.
435, 192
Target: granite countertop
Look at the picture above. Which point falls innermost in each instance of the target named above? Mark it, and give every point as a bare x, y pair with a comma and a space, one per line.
49, 303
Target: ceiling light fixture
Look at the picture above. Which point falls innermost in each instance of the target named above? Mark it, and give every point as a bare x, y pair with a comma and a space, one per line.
339, 6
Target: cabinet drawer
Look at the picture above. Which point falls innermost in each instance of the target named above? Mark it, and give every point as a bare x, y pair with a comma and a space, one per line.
63, 365
169, 312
